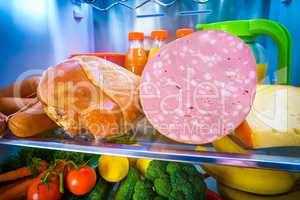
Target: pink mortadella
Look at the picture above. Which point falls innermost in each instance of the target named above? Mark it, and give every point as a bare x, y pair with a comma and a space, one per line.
199, 88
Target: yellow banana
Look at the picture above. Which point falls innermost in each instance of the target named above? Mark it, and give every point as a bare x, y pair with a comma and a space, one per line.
233, 194
258, 181
227, 145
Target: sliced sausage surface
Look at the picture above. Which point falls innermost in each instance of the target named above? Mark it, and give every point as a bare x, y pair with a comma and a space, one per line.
200, 87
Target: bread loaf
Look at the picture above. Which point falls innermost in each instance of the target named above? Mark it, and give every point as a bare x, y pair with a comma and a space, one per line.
87, 94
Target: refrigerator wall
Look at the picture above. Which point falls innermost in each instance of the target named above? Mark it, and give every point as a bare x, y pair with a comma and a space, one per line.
35, 34
114, 19
286, 12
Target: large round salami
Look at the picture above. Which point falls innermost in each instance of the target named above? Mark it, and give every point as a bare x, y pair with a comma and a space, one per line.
200, 87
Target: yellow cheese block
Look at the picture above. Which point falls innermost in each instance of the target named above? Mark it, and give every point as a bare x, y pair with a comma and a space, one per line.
274, 118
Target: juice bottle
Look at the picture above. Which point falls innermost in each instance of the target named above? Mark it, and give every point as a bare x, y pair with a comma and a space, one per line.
136, 57
159, 38
183, 32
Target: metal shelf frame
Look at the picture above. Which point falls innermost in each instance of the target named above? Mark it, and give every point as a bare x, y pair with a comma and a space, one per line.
159, 151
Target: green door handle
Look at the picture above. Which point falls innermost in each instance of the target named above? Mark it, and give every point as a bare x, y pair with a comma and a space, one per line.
282, 38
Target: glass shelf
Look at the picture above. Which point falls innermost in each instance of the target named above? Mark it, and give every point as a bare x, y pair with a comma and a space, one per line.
156, 146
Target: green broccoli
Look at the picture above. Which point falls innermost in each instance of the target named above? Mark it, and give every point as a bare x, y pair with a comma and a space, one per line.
156, 169
173, 167
159, 198
143, 190
176, 181
162, 186
191, 170
126, 189
197, 179
185, 179
179, 182
176, 195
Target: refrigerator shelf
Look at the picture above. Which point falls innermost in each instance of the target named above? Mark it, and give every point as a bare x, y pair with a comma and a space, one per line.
156, 147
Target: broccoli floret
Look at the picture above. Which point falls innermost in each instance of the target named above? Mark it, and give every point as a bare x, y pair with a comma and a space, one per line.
159, 198
126, 189
174, 181
156, 169
195, 177
180, 182
186, 179
176, 195
173, 167
143, 190
190, 170
162, 186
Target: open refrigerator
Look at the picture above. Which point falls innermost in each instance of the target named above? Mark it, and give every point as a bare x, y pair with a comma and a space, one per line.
36, 34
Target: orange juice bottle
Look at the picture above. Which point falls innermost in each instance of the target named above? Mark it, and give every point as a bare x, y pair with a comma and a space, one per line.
136, 57
159, 38
183, 32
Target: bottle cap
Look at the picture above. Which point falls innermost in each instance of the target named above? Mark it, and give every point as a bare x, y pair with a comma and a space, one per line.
183, 32
159, 34
136, 36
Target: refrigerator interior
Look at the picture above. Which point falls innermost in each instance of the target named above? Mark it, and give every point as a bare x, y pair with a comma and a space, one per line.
36, 34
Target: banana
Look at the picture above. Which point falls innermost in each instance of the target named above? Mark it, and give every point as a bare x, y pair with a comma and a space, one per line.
257, 181
227, 145
233, 194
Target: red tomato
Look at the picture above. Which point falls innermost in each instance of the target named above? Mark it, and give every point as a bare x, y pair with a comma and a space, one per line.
81, 181
40, 191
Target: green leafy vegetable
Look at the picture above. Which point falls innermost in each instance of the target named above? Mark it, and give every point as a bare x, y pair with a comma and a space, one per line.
156, 169
176, 181
27, 156
162, 186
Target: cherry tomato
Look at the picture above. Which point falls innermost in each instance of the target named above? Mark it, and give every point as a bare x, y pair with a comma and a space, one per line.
81, 181
40, 191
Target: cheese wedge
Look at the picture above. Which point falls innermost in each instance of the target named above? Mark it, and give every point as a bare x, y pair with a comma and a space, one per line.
274, 119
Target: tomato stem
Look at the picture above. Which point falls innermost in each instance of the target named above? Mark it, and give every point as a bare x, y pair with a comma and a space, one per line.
61, 182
